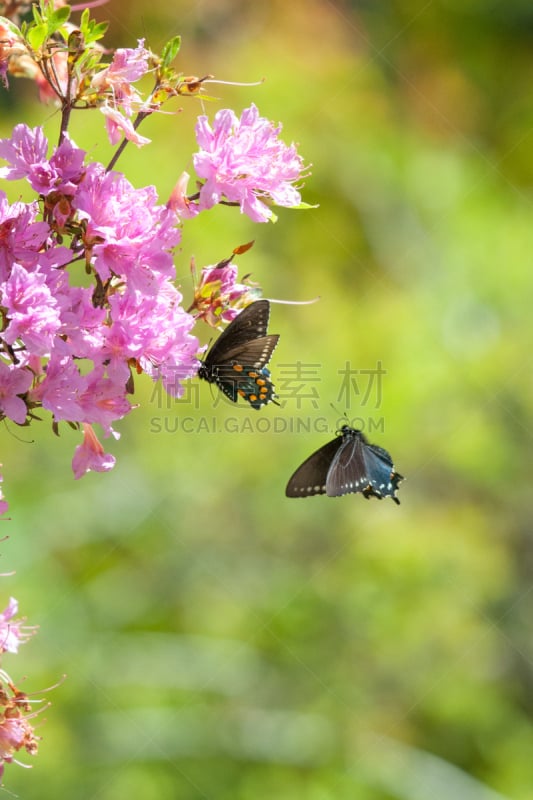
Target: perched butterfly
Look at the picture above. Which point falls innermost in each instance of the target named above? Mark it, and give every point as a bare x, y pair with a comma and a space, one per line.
347, 464
237, 360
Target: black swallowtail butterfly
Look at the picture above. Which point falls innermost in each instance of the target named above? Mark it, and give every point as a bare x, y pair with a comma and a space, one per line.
346, 464
237, 360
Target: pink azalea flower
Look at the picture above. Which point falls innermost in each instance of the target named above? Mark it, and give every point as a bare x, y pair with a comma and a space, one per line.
16, 731
13, 382
155, 330
25, 150
50, 260
103, 399
183, 364
243, 161
178, 201
218, 297
26, 153
12, 632
118, 125
67, 168
81, 398
82, 325
21, 238
61, 386
133, 235
32, 312
115, 83
90, 455
126, 67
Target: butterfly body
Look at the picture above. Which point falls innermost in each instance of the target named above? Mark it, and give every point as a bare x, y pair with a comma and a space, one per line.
348, 464
237, 361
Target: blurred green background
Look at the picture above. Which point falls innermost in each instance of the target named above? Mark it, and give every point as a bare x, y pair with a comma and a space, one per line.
222, 641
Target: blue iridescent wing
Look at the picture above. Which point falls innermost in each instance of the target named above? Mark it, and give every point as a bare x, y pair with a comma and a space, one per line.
362, 467
348, 464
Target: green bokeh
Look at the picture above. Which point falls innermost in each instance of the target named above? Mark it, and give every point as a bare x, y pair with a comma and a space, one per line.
222, 641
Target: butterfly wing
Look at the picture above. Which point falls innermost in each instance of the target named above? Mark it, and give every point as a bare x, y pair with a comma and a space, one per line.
383, 480
347, 470
362, 467
348, 464
237, 361
256, 352
251, 382
311, 476
250, 324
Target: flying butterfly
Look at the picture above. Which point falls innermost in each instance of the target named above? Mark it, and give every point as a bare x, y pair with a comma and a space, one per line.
237, 361
348, 464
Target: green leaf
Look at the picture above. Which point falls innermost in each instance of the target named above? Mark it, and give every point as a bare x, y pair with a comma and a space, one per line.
36, 15
99, 30
37, 34
170, 51
305, 206
91, 30
58, 18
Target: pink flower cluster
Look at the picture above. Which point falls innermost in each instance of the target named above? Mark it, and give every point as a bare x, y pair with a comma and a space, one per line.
71, 343
115, 82
88, 299
16, 731
243, 161
218, 297
12, 631
70, 347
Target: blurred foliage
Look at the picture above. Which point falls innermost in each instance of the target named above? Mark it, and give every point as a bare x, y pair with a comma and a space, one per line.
222, 641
